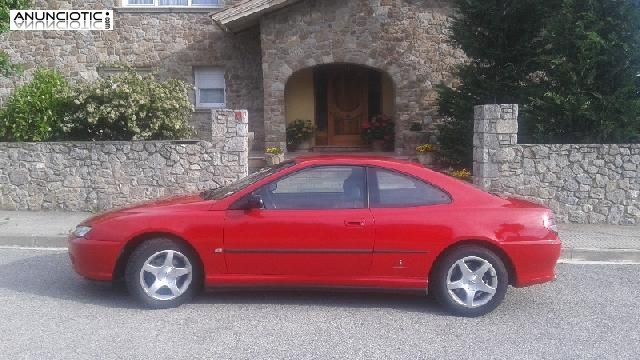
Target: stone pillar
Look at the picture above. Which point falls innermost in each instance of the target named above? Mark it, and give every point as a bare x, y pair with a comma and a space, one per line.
495, 129
275, 123
230, 134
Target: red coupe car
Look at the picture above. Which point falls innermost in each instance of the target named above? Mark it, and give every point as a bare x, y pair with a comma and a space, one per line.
326, 221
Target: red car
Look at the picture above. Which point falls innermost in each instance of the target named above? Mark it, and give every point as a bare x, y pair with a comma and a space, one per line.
326, 221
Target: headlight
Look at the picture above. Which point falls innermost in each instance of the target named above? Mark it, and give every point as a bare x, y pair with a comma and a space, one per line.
81, 231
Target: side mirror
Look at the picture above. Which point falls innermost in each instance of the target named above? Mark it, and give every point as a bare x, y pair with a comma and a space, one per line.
255, 202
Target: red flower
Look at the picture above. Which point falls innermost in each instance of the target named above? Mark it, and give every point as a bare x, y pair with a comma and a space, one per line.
365, 125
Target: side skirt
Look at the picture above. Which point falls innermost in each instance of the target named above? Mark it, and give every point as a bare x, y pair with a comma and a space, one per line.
241, 281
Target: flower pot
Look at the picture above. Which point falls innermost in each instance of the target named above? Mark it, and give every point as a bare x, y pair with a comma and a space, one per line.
305, 146
426, 158
273, 159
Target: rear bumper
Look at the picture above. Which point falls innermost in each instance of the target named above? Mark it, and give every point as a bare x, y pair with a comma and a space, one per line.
94, 259
534, 262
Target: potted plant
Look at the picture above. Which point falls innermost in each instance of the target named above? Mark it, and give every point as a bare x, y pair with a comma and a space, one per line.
425, 153
379, 132
274, 155
462, 174
299, 134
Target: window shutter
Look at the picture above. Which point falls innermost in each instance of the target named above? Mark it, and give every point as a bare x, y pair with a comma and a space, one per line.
210, 78
210, 87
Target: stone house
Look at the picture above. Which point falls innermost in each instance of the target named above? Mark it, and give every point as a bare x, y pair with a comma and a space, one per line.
335, 62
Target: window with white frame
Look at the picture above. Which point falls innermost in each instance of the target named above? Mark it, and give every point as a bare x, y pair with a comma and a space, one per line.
210, 87
173, 3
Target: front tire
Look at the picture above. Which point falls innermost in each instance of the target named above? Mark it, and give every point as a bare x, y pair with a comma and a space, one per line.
163, 273
470, 281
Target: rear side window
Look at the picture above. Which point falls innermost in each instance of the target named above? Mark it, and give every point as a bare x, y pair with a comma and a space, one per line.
392, 189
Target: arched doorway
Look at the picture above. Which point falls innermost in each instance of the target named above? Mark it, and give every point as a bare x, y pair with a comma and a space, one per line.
338, 99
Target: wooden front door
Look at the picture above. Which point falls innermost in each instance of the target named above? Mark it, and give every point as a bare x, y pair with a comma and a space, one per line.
347, 98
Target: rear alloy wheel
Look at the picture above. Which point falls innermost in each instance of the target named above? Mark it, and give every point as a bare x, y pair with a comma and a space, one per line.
470, 281
163, 273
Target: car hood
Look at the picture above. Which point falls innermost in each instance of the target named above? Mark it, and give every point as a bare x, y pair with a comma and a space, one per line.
172, 203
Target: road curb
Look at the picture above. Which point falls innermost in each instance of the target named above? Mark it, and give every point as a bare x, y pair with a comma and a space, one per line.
605, 255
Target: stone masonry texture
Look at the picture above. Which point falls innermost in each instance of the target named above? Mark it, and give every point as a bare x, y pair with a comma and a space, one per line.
171, 41
92, 176
407, 39
581, 183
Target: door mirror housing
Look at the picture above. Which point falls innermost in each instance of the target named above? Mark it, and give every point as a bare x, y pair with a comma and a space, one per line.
255, 202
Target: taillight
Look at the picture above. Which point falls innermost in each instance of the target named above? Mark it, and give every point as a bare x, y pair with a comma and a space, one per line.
549, 222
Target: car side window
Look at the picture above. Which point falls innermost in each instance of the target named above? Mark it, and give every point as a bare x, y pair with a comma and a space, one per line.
323, 187
393, 189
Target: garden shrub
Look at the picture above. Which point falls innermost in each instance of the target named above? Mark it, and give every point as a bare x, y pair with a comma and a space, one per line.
7, 67
130, 106
35, 111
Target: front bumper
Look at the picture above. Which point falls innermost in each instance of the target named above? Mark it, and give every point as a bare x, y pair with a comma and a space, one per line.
94, 259
534, 262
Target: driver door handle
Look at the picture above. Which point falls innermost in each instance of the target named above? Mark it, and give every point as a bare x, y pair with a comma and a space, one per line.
357, 223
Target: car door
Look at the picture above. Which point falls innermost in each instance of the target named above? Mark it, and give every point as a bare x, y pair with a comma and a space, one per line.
410, 223
315, 222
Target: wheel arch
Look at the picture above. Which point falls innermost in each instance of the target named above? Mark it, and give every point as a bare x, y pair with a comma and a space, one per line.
135, 242
481, 243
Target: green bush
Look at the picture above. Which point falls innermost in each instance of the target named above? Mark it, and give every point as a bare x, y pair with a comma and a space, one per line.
130, 106
34, 111
8, 68
5, 7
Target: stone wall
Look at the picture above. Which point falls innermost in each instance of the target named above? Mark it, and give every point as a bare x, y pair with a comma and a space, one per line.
405, 39
90, 176
592, 183
171, 40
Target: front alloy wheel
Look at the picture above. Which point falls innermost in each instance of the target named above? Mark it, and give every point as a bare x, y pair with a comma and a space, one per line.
166, 275
470, 281
162, 273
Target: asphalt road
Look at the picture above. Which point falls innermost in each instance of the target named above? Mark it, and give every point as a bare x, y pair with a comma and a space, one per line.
591, 311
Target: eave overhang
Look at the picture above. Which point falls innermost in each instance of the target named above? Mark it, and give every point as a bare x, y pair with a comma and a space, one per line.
247, 14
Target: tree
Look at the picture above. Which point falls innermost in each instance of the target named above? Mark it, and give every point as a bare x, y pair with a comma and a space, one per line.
502, 39
591, 73
572, 65
6, 66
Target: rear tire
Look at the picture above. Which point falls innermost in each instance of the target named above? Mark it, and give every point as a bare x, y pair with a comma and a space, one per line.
469, 281
163, 273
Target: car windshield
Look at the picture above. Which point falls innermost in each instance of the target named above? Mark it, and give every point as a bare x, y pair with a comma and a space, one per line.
226, 190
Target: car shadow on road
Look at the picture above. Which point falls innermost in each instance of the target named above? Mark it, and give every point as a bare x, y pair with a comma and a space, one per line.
51, 276
360, 299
